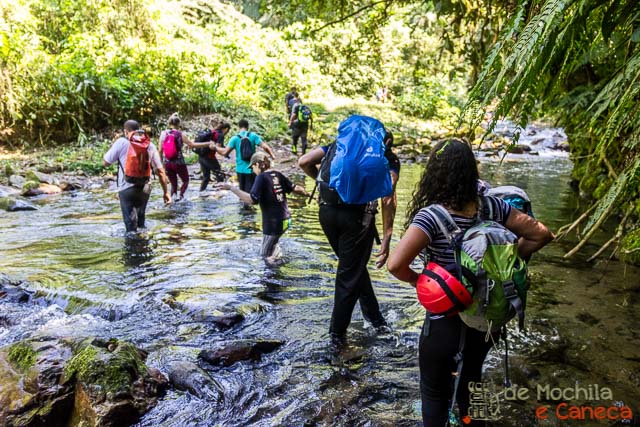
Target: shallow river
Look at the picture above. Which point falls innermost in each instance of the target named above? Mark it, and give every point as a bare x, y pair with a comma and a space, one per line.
199, 258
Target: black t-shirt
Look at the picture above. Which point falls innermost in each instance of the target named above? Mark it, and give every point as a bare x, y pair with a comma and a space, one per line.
269, 190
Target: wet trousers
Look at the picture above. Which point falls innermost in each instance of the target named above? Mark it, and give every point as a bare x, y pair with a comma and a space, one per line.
439, 343
133, 203
175, 170
208, 165
350, 232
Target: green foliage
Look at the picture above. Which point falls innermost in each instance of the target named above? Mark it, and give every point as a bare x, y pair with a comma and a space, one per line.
577, 60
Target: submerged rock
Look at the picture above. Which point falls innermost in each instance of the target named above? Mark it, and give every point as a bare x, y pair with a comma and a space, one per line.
187, 376
236, 351
12, 204
70, 382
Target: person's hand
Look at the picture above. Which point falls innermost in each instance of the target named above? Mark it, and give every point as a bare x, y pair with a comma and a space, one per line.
213, 147
383, 253
223, 186
167, 198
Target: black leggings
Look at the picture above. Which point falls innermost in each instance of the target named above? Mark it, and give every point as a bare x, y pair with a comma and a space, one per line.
439, 343
208, 165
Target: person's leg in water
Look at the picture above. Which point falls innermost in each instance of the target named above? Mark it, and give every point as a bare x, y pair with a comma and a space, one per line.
142, 205
172, 173
352, 242
183, 173
133, 204
206, 172
439, 343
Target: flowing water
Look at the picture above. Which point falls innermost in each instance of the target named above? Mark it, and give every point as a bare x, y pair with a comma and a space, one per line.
199, 258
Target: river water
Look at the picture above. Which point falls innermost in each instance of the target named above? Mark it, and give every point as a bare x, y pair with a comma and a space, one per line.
199, 258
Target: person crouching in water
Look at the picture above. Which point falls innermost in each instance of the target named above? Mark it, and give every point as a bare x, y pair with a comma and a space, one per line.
171, 142
451, 180
270, 190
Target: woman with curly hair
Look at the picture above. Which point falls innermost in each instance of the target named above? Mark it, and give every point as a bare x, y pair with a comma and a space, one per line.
451, 180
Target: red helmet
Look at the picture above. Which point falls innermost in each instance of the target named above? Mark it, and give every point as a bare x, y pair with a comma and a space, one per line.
440, 292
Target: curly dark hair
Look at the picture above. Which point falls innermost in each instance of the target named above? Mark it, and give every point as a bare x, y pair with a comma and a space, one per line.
450, 178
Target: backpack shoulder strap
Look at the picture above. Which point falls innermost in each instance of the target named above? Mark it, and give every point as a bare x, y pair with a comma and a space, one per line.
445, 222
485, 208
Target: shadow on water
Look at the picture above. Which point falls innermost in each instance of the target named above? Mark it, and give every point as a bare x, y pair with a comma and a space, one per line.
168, 288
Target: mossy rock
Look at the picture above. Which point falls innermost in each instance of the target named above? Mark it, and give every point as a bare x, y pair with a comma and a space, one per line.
30, 185
8, 170
22, 356
113, 366
630, 248
31, 176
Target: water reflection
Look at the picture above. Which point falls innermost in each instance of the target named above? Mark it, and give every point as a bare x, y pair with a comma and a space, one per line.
138, 248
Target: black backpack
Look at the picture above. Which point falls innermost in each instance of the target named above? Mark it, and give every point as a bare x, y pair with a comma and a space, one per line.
246, 148
203, 136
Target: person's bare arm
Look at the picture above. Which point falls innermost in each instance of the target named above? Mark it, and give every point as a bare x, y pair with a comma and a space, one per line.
408, 248
192, 144
389, 205
162, 177
223, 151
310, 161
242, 195
532, 234
266, 148
299, 189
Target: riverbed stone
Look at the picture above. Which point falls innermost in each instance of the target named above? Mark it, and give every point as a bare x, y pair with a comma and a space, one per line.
12, 204
17, 181
13, 291
32, 188
229, 353
188, 376
76, 382
44, 178
8, 191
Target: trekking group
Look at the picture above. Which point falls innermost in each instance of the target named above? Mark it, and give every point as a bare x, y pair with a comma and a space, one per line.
473, 242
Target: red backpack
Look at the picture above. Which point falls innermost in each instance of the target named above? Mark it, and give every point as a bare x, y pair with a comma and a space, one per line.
170, 145
137, 167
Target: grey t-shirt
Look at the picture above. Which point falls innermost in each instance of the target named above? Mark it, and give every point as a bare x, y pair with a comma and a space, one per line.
118, 153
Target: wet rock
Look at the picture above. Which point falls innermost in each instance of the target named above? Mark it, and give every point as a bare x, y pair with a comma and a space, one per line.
72, 184
588, 318
8, 191
223, 321
75, 382
537, 141
187, 376
563, 146
12, 291
34, 189
30, 392
113, 386
518, 148
41, 177
16, 181
232, 352
12, 204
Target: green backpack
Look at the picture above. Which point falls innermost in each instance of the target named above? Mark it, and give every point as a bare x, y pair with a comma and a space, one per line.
487, 263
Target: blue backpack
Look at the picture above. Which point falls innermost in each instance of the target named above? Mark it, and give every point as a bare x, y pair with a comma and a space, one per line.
359, 171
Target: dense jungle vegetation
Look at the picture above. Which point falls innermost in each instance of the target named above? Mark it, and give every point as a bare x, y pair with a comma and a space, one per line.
72, 69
